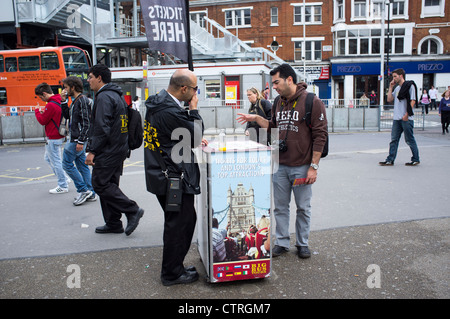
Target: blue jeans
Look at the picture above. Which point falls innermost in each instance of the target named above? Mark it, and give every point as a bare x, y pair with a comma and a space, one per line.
283, 188
53, 158
399, 127
81, 175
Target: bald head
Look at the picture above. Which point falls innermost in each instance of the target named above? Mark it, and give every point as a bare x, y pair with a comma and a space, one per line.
182, 78
183, 85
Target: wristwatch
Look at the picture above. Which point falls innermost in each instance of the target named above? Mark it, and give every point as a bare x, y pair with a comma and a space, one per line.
315, 166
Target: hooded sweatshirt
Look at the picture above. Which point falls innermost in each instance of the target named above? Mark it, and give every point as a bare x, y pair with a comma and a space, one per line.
51, 118
109, 132
301, 140
163, 119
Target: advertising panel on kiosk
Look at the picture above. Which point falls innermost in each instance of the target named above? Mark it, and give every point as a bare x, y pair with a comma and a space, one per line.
235, 244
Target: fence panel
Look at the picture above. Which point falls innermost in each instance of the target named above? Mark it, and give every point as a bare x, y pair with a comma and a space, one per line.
220, 116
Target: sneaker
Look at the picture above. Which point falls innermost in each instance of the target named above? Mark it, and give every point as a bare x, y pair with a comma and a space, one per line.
303, 252
412, 163
278, 250
82, 197
386, 163
92, 198
58, 190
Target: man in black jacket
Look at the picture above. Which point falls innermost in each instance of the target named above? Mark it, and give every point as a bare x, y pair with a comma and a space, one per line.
74, 155
166, 117
108, 148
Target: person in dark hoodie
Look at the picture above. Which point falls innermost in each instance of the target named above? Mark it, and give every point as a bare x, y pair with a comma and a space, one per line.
298, 165
404, 97
166, 117
108, 148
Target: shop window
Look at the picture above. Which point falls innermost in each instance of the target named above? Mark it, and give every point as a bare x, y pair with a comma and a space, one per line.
212, 89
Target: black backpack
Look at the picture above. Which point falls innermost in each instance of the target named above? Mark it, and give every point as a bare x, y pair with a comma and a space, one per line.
308, 110
135, 129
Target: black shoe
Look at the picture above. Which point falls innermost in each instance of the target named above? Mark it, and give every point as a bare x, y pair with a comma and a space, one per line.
412, 163
106, 229
186, 278
190, 269
133, 221
386, 163
303, 252
278, 250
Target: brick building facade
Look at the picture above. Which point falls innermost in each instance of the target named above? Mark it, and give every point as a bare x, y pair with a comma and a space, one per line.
342, 41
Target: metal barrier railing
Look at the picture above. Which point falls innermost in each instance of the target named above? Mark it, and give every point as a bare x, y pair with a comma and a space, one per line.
25, 128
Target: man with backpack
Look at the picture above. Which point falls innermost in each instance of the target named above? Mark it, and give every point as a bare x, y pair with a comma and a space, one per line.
404, 97
50, 117
300, 149
108, 148
79, 115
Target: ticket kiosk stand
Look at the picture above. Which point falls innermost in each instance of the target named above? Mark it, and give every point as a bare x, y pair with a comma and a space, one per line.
234, 211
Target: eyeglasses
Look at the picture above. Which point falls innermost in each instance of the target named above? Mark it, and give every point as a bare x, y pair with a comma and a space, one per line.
194, 88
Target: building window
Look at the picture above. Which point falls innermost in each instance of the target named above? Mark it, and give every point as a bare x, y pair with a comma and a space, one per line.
367, 41
433, 8
359, 9
238, 17
199, 18
313, 50
310, 14
398, 8
339, 10
376, 9
274, 16
431, 45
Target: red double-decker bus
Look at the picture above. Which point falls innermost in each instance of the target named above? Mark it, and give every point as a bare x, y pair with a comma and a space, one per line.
22, 70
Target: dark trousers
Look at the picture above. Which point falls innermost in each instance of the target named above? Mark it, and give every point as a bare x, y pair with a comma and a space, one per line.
105, 181
178, 232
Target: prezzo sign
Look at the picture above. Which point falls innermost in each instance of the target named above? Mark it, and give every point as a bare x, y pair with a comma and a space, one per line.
431, 67
374, 68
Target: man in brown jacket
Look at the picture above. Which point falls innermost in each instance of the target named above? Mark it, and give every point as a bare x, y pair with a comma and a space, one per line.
299, 162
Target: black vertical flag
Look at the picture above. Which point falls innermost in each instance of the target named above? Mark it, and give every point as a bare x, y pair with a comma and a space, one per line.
167, 27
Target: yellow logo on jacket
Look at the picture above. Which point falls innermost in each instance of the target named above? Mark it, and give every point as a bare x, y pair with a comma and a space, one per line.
150, 137
124, 123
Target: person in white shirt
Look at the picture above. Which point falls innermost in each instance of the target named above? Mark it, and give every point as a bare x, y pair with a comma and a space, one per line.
433, 95
136, 104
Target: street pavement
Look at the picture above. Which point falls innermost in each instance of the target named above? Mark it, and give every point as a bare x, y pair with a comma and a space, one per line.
376, 232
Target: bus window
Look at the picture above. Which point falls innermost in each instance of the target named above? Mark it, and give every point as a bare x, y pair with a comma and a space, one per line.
3, 99
29, 63
2, 67
11, 64
74, 58
49, 61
